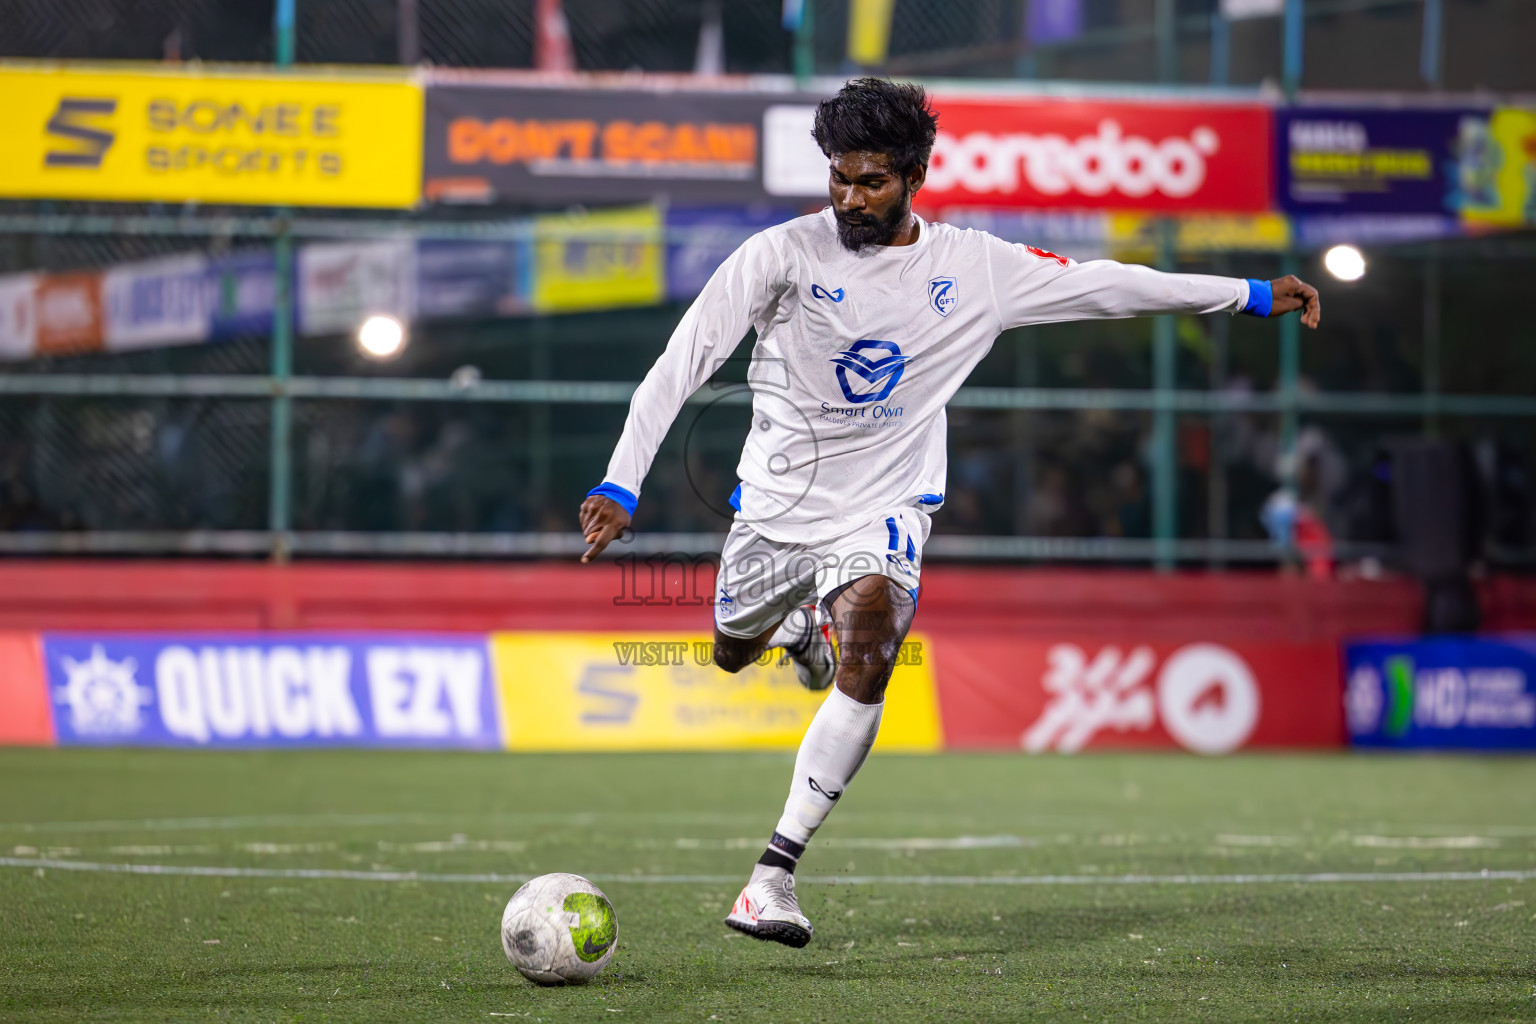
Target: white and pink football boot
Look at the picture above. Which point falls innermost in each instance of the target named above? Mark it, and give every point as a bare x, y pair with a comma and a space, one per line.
767, 908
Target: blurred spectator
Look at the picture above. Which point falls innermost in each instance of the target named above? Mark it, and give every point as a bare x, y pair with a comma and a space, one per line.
1297, 515
20, 508
380, 460
433, 485
1133, 512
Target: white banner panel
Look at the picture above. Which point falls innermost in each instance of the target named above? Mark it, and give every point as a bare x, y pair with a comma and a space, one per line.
18, 316
341, 283
157, 302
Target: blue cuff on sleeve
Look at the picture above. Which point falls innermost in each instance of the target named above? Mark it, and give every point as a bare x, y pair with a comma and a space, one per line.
615, 493
1261, 297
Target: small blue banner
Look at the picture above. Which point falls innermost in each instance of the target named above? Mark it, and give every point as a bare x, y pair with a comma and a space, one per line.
701, 238
271, 690
1472, 693
243, 287
457, 278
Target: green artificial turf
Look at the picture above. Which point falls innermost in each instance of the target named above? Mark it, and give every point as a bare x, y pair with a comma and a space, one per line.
108, 946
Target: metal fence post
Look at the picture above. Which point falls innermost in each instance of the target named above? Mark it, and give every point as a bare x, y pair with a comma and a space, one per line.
1166, 28
280, 490
540, 450
1432, 317
1221, 48
1432, 46
283, 17
1290, 372
280, 506
407, 33
1295, 36
1218, 424
805, 44
1165, 464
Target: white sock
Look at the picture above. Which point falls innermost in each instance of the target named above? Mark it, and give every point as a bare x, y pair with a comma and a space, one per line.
795, 631
831, 754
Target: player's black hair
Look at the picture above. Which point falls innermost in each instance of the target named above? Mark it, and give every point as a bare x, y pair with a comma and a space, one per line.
880, 116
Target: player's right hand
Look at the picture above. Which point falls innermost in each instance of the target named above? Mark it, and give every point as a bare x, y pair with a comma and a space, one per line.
603, 521
1292, 293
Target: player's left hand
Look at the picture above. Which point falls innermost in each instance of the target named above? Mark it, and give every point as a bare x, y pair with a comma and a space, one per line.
1291, 294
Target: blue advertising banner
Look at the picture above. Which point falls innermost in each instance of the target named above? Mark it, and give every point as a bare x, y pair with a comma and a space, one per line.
271, 690
468, 278
242, 288
1364, 160
700, 238
1471, 693
1324, 229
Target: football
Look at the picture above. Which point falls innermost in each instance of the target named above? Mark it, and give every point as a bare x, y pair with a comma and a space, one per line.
559, 929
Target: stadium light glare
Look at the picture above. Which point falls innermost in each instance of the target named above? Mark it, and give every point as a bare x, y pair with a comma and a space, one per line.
381, 336
1345, 262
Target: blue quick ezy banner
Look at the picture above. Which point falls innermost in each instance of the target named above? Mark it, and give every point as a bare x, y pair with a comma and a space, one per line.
273, 690
1471, 693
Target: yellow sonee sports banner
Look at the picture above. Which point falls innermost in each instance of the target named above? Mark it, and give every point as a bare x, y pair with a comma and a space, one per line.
132, 133
619, 691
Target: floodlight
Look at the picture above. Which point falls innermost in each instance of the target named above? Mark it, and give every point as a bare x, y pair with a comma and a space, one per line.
381, 336
1345, 262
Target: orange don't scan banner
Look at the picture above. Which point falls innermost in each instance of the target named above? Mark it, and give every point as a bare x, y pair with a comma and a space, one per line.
489, 141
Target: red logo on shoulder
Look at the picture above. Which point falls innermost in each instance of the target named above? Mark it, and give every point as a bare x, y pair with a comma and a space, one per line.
1046, 254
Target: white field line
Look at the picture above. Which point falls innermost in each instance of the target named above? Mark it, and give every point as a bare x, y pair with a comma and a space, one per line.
914, 843
314, 820
422, 876
591, 817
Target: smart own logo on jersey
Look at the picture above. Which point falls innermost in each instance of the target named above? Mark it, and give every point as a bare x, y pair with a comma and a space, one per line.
880, 369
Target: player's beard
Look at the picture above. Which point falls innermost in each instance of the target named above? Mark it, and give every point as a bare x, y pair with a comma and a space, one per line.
856, 230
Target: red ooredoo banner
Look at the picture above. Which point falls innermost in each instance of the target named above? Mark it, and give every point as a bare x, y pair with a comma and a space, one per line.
1100, 155
1072, 695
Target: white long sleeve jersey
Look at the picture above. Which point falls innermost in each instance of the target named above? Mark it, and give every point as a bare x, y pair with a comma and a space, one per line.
858, 353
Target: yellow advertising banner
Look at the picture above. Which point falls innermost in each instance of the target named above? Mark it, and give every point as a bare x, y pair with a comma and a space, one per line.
1133, 236
160, 134
597, 260
632, 691
1500, 180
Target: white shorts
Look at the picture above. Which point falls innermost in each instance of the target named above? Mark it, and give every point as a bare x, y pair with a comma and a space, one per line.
761, 580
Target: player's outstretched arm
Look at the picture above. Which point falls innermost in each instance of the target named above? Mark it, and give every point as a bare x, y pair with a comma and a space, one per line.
1292, 293
1033, 286
734, 299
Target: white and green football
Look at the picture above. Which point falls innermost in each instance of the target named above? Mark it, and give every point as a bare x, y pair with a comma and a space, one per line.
559, 929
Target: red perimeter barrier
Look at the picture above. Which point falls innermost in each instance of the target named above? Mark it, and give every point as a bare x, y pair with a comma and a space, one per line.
1040, 603
26, 718
1040, 659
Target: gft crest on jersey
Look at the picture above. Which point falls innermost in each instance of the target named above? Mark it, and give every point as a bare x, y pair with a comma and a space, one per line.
943, 295
881, 368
